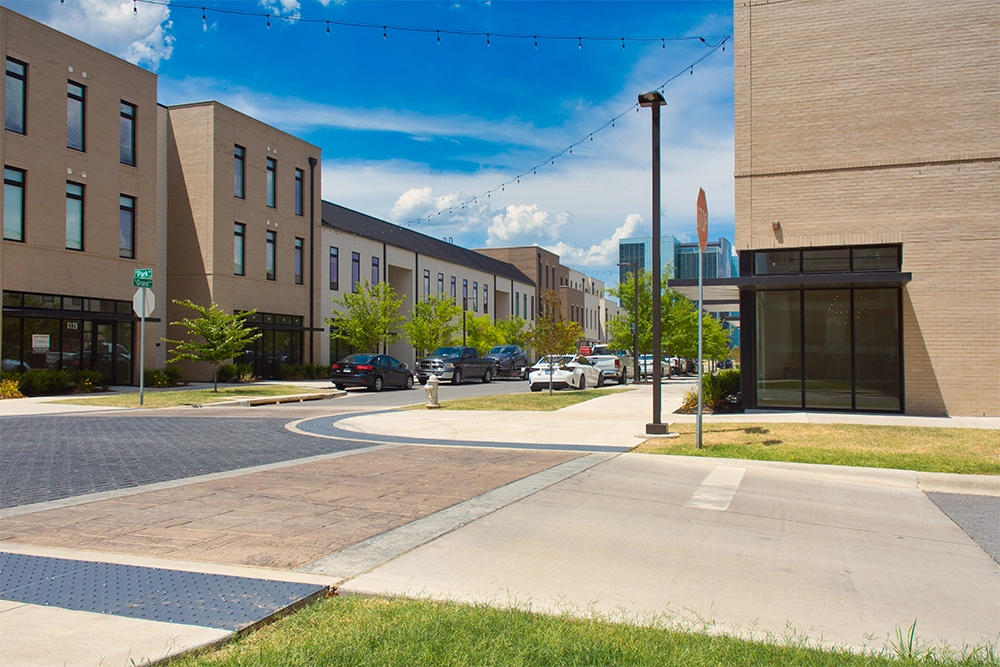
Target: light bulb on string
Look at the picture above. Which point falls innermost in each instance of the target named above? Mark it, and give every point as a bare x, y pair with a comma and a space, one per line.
663, 43
268, 21
135, 9
536, 41
383, 32
487, 39
623, 43
328, 27
203, 16
439, 36
580, 42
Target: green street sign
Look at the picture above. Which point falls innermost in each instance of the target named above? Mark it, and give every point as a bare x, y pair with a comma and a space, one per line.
143, 274
140, 282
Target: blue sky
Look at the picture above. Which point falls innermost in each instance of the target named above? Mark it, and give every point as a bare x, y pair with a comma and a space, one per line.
410, 127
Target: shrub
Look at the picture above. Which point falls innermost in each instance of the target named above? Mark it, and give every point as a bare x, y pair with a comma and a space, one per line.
291, 372
44, 382
175, 376
717, 389
244, 373
9, 388
87, 381
163, 377
225, 373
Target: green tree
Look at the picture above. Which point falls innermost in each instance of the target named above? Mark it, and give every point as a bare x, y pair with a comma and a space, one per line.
435, 322
512, 331
481, 333
620, 328
224, 336
552, 334
367, 318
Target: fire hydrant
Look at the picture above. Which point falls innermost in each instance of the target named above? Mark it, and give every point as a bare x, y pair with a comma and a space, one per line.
431, 387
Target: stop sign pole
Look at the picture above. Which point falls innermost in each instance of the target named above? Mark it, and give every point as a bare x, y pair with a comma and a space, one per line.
143, 279
702, 222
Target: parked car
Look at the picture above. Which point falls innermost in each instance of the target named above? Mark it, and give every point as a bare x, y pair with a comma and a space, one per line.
456, 364
613, 365
511, 360
564, 371
646, 366
373, 371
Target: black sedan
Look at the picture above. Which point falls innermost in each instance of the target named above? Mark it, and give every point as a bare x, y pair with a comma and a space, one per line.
512, 361
373, 371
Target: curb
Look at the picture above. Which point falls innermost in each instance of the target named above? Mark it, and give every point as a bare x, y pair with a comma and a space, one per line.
275, 400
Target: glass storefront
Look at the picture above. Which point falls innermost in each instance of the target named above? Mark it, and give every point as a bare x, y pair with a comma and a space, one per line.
779, 349
43, 331
280, 345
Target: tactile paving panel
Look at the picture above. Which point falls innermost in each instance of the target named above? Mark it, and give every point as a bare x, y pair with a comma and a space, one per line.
192, 598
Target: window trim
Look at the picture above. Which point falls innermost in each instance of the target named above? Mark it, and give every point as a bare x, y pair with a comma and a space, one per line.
82, 99
271, 255
355, 271
271, 195
440, 284
122, 207
376, 271
334, 269
21, 185
240, 234
240, 158
299, 192
80, 198
23, 78
132, 125
300, 244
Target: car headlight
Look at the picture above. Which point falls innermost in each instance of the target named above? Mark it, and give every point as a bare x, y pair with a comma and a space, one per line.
448, 366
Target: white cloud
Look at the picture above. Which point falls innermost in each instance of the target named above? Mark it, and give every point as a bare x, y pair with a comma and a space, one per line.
141, 37
283, 8
604, 253
524, 224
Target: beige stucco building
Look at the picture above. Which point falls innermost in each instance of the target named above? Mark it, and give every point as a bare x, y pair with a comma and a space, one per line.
868, 204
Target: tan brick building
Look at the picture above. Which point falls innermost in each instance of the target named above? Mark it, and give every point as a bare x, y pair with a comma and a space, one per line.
82, 171
868, 204
244, 212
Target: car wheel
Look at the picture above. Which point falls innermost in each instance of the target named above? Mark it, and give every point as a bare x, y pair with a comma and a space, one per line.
534, 387
377, 383
487, 376
409, 382
456, 378
340, 386
600, 380
583, 382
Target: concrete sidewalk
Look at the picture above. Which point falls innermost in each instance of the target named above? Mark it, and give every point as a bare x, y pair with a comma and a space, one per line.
842, 555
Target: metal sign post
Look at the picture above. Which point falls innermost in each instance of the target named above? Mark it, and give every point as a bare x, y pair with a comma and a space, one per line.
143, 307
702, 242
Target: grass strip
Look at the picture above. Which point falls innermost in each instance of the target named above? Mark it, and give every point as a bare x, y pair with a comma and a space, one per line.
375, 632
538, 402
172, 398
925, 449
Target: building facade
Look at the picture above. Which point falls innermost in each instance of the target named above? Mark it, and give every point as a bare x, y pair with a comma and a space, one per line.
868, 205
83, 171
719, 261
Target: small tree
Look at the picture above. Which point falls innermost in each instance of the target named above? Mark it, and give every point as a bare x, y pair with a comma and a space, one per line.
224, 336
553, 335
367, 317
481, 333
512, 332
620, 328
434, 323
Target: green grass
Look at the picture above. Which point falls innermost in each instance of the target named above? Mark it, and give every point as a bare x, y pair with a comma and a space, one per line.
373, 632
956, 450
159, 398
539, 401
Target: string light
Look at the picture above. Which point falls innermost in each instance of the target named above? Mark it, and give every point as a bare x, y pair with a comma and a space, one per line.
328, 27
203, 20
135, 9
439, 37
569, 149
487, 39
268, 21
623, 43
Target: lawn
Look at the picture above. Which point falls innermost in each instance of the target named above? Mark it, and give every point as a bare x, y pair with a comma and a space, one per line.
958, 450
540, 401
173, 398
375, 632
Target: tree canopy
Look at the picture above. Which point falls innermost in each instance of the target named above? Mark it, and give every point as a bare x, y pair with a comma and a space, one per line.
225, 336
367, 319
435, 322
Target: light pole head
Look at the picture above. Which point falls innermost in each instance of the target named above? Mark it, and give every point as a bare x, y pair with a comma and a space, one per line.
652, 99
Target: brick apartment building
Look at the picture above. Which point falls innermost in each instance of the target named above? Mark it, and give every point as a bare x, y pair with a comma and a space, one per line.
868, 204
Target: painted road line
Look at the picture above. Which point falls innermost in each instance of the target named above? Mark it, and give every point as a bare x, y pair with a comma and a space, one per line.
718, 489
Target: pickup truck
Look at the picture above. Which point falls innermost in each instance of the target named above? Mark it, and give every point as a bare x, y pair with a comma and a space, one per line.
456, 364
613, 365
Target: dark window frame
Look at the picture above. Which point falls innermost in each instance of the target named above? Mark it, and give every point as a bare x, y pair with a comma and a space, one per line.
21, 186
299, 192
129, 120
334, 269
440, 284
22, 77
239, 171
355, 271
300, 244
81, 99
81, 197
271, 196
240, 247
130, 208
271, 255
376, 271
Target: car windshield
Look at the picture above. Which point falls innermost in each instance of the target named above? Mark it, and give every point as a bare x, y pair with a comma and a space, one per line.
357, 359
503, 349
556, 359
447, 352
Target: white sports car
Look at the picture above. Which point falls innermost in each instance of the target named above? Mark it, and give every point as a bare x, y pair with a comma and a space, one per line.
564, 371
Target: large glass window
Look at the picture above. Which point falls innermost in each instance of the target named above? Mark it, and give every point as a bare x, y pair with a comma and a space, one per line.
239, 248
126, 226
835, 260
334, 268
776, 262
299, 246
779, 349
74, 216
454, 292
878, 258
827, 339
876, 349
75, 116
427, 282
441, 284
269, 254
272, 175
355, 271
127, 133
239, 171
299, 176
13, 204
14, 112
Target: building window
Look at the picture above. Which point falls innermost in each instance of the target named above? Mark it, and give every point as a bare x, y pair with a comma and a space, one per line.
517, 304
126, 227
272, 175
270, 251
239, 248
454, 291
74, 216
334, 269
376, 274
441, 284
475, 297
465, 294
355, 271
427, 282
13, 204
532, 306
239, 171
127, 134
14, 115
299, 175
486, 299
299, 246
75, 116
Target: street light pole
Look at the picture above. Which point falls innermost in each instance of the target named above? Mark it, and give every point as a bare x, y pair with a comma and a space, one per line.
635, 320
654, 100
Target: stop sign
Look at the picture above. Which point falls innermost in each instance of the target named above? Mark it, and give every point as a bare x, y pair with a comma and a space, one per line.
137, 302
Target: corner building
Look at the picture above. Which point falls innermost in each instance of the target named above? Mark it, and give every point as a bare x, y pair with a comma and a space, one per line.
82, 172
868, 205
